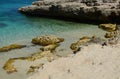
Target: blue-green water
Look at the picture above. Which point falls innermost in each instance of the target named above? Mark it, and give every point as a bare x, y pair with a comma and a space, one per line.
17, 28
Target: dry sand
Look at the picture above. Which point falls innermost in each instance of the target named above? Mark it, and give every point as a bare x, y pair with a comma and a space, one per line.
92, 62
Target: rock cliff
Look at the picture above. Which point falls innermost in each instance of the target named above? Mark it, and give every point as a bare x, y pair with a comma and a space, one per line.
79, 10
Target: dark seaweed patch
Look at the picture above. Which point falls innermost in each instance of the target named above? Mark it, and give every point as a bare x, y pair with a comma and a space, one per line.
3, 25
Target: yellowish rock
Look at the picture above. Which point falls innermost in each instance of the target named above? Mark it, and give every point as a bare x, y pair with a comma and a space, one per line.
40, 55
9, 67
108, 27
11, 47
83, 40
34, 68
47, 40
51, 47
74, 46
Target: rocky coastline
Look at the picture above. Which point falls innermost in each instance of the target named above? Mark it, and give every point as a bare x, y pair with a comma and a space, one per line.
50, 43
92, 11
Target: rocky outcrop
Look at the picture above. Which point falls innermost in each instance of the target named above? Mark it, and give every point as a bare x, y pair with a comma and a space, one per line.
80, 10
113, 33
47, 40
83, 40
10, 68
11, 47
108, 27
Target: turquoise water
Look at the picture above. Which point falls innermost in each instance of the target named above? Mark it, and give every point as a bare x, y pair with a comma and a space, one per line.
18, 28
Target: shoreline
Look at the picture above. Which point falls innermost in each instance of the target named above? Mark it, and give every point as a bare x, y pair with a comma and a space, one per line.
92, 44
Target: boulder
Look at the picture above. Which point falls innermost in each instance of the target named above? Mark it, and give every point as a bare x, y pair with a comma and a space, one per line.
11, 47
108, 27
47, 40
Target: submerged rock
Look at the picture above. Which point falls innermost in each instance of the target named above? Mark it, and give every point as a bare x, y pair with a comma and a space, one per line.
47, 40
11, 47
108, 27
3, 25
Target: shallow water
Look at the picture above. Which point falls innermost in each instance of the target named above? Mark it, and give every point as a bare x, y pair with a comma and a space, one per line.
17, 28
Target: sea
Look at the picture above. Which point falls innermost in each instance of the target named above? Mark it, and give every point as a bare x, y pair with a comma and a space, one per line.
16, 28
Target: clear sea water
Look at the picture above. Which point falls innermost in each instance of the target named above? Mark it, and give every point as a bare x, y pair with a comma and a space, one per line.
17, 28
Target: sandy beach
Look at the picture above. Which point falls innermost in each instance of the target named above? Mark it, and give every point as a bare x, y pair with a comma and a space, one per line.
60, 39
92, 62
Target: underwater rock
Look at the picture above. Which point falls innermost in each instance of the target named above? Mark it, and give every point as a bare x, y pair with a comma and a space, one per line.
46, 40
9, 67
108, 27
34, 68
2, 25
51, 47
11, 47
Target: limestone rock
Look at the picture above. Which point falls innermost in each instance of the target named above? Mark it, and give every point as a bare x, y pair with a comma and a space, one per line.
40, 55
9, 67
11, 47
83, 40
51, 47
108, 27
83, 10
47, 40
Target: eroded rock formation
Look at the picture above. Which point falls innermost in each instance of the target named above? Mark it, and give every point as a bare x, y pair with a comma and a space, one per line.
113, 33
80, 10
47, 40
11, 47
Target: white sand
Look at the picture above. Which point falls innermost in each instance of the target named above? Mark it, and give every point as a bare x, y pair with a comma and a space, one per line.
93, 62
